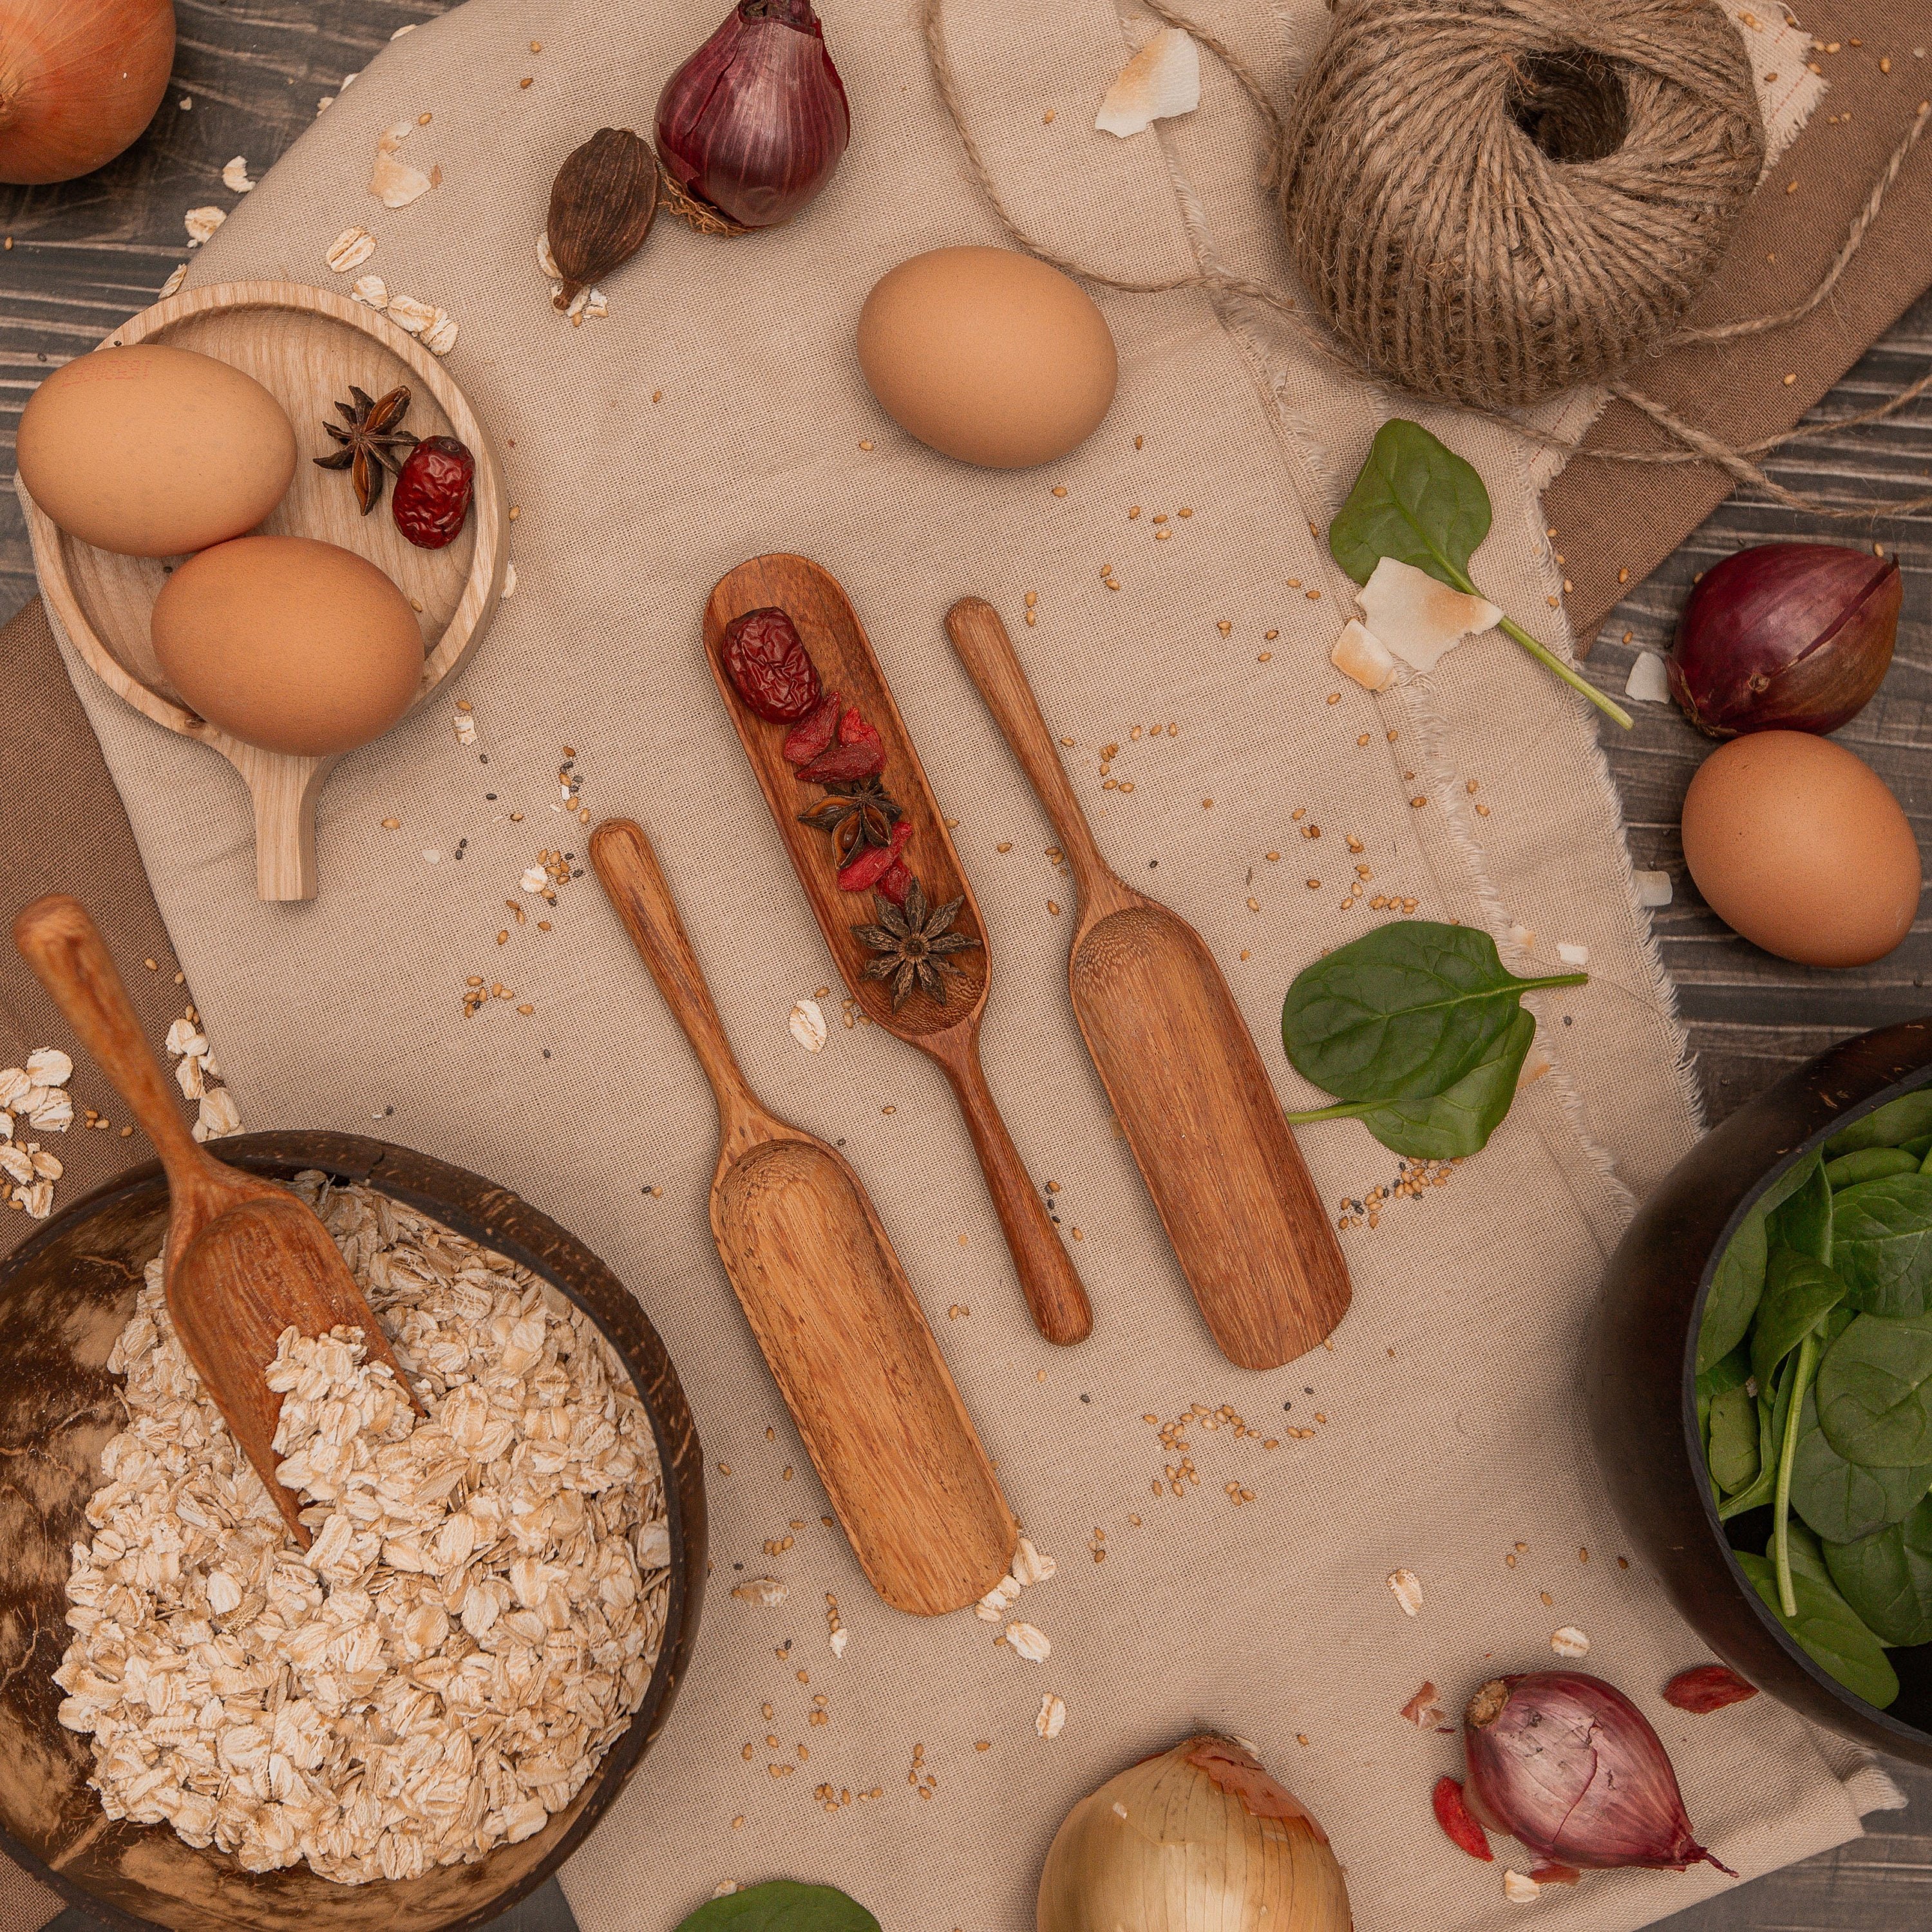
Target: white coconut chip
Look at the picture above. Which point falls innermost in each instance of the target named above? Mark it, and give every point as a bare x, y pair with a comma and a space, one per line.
393, 182
1571, 953
1162, 80
1649, 679
1360, 654
1418, 618
1519, 1890
1653, 889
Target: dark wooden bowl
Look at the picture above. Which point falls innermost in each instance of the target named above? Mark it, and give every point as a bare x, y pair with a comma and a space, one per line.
1639, 1377
64, 1295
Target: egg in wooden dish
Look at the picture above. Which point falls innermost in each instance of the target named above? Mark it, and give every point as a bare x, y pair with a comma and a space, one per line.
152, 450
1798, 844
988, 356
288, 644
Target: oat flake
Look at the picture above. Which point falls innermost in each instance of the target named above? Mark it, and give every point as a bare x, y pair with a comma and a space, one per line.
350, 250
1569, 1642
1407, 1587
174, 281
806, 1021
1051, 1718
371, 291
393, 182
201, 223
766, 1590
1029, 1641
235, 175
1519, 1890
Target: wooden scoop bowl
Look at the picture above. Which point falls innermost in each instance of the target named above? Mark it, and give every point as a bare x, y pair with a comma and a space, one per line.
842, 1331
244, 1258
946, 1032
1177, 1062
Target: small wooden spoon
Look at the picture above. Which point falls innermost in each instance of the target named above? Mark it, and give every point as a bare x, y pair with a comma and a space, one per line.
946, 1032
842, 1331
244, 1259
1178, 1063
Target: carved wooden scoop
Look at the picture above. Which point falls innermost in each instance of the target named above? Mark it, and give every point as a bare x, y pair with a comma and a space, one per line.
245, 1259
1179, 1065
842, 1331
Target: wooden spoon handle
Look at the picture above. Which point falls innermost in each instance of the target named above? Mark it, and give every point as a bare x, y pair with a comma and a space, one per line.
984, 648
628, 869
59, 940
1053, 1292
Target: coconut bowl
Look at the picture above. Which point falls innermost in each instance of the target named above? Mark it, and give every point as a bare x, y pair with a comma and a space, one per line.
1640, 1375
65, 1294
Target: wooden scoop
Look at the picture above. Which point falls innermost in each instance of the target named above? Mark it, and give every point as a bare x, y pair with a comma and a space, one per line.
244, 1259
1179, 1065
842, 1331
946, 1031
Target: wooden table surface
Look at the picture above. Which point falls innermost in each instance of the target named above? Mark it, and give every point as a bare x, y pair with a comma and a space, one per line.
83, 256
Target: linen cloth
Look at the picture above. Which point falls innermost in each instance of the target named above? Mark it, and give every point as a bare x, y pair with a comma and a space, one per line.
718, 412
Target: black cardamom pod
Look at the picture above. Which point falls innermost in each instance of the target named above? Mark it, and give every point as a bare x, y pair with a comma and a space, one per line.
601, 206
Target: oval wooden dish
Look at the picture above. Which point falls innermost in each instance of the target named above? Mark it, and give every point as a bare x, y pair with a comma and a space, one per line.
65, 1295
306, 346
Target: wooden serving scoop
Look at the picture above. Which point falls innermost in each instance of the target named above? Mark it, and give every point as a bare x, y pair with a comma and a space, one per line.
244, 1258
947, 1031
842, 1331
1179, 1065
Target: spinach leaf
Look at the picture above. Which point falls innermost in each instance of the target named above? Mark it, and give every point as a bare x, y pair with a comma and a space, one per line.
1799, 1294
1732, 1371
1907, 1118
1875, 1393
1736, 1289
1886, 1578
1843, 1501
1869, 1164
1418, 501
1829, 1630
1803, 1220
1785, 1185
1404, 1013
1774, 1407
1734, 1457
782, 1905
1883, 1244
1808, 1556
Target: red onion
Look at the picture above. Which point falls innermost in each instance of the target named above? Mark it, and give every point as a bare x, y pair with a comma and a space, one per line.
1567, 1765
1785, 637
751, 126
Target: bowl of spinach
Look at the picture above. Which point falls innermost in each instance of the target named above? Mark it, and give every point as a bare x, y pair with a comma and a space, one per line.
1759, 1378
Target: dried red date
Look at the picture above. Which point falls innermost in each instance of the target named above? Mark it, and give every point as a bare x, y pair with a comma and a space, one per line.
431, 497
813, 732
769, 666
1458, 1822
1709, 1687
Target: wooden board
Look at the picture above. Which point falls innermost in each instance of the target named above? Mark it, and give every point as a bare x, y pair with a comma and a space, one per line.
307, 347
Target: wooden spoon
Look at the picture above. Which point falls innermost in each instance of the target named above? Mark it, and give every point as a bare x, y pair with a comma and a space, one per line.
948, 1032
1178, 1063
244, 1258
842, 1331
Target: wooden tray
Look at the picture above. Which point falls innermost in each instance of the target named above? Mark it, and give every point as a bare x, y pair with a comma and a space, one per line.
306, 346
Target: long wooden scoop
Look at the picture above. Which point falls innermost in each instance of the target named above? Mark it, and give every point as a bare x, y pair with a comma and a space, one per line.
1179, 1065
842, 1331
244, 1259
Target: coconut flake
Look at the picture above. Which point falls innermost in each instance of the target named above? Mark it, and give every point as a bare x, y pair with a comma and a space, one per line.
1571, 954
1360, 654
1162, 80
1519, 1890
1653, 889
1418, 618
1649, 679
393, 182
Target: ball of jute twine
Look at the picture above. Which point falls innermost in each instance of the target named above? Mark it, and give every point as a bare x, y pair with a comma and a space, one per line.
1490, 201
1560, 122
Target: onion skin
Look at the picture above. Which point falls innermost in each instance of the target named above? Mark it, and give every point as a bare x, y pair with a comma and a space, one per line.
1569, 1767
1793, 637
752, 126
79, 80
1209, 1843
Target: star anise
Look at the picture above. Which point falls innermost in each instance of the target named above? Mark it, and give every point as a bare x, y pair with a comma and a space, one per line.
368, 444
912, 942
856, 814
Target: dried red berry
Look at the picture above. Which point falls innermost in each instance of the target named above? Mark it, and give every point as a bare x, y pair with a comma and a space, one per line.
1453, 1814
766, 661
894, 883
813, 732
431, 497
852, 730
843, 764
875, 862
1708, 1687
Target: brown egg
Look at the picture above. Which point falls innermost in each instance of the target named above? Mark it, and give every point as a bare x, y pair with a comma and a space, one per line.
1797, 844
153, 452
988, 354
288, 644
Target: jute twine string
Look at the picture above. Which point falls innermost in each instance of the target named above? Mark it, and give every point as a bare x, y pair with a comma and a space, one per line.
1568, 102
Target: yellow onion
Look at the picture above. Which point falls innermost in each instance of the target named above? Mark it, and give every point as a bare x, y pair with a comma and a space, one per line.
1200, 1839
79, 81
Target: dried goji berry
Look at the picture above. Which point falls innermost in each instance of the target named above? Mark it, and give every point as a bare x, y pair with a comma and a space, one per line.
872, 865
767, 662
813, 732
1453, 1814
843, 764
852, 730
894, 882
1708, 1687
432, 494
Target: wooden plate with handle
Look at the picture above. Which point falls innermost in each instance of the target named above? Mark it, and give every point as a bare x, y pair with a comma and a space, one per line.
305, 346
947, 1031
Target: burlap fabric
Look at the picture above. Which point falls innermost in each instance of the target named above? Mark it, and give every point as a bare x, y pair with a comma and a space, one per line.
717, 413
